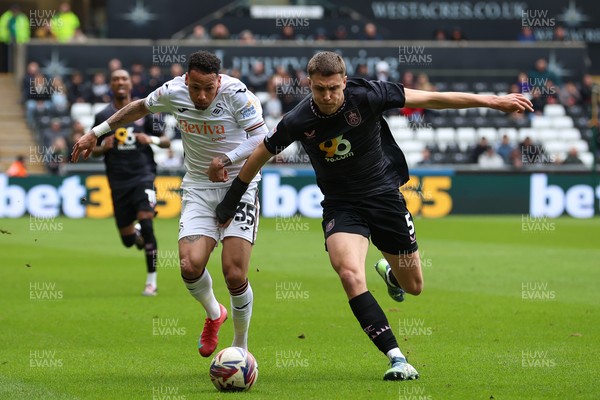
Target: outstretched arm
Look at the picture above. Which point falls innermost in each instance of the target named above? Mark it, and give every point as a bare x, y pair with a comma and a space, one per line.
226, 208
513, 102
131, 112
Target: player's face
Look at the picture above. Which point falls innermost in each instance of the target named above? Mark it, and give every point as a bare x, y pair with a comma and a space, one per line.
120, 84
202, 88
328, 92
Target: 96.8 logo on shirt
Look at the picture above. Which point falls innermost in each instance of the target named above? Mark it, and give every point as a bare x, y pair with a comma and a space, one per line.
125, 138
336, 149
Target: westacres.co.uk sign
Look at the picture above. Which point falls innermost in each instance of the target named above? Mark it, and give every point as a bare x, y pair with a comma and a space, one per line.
481, 19
429, 194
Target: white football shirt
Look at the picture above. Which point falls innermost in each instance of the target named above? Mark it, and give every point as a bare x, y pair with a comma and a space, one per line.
234, 114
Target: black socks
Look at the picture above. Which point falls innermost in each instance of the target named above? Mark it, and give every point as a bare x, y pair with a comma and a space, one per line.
373, 321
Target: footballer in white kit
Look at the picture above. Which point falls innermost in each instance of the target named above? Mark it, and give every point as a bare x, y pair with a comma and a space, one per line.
234, 115
221, 124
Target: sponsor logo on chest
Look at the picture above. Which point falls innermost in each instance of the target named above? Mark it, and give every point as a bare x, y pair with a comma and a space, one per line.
203, 128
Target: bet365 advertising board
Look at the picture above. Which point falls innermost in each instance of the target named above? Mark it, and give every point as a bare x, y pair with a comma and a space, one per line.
287, 192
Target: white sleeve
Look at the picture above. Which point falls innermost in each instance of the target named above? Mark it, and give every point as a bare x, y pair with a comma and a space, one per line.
159, 99
247, 110
246, 148
248, 114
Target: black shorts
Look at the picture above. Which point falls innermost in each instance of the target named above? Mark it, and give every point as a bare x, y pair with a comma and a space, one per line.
384, 218
129, 200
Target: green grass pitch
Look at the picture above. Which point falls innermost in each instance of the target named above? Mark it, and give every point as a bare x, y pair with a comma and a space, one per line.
510, 310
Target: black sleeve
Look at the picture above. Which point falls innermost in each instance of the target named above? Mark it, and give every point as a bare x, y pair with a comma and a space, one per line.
279, 139
385, 96
151, 128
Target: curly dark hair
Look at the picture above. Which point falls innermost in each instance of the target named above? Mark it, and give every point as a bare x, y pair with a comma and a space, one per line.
204, 62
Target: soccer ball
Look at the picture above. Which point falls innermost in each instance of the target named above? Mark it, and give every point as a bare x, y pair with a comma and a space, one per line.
233, 370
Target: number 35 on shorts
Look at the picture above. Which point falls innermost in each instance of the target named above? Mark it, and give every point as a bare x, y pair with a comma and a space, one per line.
245, 214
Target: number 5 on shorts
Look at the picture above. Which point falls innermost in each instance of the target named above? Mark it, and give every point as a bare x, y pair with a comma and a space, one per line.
410, 224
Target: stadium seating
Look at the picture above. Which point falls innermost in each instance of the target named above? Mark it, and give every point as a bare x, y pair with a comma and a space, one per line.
450, 135
456, 132
79, 110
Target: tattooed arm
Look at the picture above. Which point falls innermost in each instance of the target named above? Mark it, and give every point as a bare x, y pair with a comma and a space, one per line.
131, 112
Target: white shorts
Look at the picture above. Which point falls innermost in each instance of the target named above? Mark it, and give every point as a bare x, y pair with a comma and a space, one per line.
198, 214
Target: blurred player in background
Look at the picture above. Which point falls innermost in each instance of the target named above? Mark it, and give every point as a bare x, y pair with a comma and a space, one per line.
220, 122
359, 168
130, 169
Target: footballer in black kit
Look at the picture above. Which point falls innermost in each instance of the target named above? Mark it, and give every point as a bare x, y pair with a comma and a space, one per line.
359, 169
358, 165
130, 168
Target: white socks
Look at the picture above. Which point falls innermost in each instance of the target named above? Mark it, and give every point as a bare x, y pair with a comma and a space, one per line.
241, 312
242, 299
151, 279
203, 292
395, 353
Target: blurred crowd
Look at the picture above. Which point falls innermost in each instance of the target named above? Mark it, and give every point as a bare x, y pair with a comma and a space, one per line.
48, 100
61, 25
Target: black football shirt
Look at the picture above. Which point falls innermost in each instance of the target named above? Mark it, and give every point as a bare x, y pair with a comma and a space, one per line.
128, 163
352, 151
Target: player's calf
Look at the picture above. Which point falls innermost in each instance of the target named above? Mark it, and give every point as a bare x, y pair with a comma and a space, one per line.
150, 248
408, 274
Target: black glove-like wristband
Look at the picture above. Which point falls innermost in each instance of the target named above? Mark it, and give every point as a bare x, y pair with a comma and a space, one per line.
226, 208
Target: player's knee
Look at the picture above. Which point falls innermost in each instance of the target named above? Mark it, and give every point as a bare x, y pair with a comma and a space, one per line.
350, 278
188, 268
128, 240
234, 276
